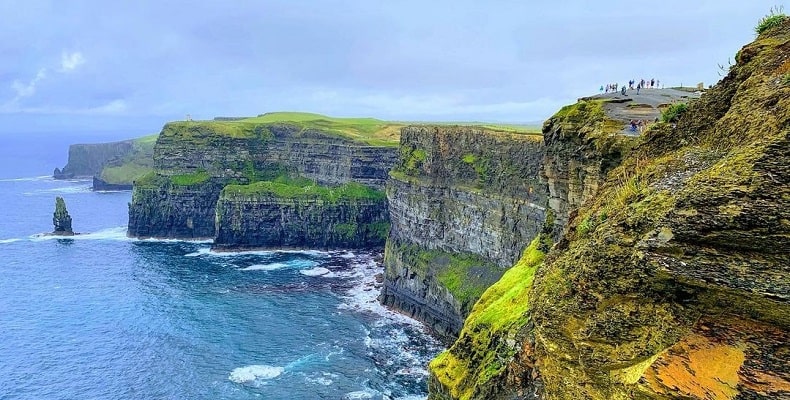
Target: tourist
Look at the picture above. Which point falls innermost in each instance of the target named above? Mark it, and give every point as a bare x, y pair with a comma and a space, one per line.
601, 89
639, 86
622, 91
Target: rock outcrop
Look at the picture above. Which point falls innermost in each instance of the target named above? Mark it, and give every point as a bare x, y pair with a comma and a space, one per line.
87, 160
670, 278
61, 219
272, 215
194, 161
463, 203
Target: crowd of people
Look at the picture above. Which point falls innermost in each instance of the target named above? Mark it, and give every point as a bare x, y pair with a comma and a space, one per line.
642, 84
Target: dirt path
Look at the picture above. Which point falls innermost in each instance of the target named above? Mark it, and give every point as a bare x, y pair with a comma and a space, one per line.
647, 105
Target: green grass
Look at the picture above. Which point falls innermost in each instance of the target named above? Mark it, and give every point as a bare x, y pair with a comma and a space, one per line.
194, 178
135, 165
305, 189
126, 173
476, 357
774, 18
673, 112
370, 131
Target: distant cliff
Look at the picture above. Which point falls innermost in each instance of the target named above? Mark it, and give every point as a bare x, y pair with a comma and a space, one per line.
670, 276
113, 166
463, 204
213, 179
87, 160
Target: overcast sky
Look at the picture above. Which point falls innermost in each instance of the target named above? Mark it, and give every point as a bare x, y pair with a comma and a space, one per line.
130, 66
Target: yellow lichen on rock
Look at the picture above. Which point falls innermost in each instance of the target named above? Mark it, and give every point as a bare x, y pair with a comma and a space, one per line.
697, 367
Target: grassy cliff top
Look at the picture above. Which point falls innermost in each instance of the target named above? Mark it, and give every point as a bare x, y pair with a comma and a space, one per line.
133, 166
371, 131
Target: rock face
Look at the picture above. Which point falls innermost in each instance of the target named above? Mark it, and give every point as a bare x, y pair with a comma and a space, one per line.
266, 219
61, 219
87, 160
580, 151
670, 278
463, 204
99, 184
194, 161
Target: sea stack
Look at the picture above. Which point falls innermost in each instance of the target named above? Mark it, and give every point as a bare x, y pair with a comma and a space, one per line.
61, 219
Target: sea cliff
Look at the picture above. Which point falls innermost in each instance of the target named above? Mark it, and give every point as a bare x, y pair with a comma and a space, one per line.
669, 277
222, 179
463, 203
87, 160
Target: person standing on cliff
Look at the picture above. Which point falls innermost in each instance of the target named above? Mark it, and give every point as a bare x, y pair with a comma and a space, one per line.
622, 91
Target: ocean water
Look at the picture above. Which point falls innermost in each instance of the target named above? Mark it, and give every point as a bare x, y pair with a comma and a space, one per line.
102, 316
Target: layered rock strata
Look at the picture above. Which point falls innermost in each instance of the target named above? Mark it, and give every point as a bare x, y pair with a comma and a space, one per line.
671, 278
194, 161
463, 203
263, 218
61, 219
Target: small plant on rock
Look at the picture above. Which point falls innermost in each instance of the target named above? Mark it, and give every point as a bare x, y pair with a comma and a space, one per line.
774, 18
673, 112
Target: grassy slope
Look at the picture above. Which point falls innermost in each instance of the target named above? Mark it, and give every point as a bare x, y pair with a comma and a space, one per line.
371, 131
134, 166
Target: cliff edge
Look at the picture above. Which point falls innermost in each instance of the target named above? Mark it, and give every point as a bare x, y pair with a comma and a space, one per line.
671, 278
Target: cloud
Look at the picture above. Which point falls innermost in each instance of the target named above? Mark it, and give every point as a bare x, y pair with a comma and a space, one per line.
70, 61
29, 89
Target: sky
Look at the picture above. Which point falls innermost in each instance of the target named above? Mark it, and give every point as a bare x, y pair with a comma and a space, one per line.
114, 67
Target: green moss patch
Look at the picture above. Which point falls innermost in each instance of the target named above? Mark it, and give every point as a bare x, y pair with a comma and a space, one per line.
306, 190
482, 352
194, 178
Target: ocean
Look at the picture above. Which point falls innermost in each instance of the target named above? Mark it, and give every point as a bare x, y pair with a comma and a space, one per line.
103, 316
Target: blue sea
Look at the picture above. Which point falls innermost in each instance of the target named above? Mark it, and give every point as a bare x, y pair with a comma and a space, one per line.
103, 316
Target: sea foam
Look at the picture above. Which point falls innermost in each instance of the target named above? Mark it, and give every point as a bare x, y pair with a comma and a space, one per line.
253, 373
317, 271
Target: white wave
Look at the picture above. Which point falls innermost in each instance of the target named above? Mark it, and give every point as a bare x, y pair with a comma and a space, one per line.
252, 373
363, 296
163, 240
200, 252
319, 380
317, 271
314, 253
9, 240
412, 397
117, 233
264, 267
61, 190
29, 179
298, 264
360, 395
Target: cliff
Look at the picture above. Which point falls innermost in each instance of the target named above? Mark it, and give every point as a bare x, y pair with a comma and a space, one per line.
293, 215
87, 160
121, 172
463, 203
113, 166
195, 161
670, 278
